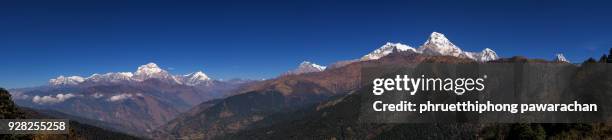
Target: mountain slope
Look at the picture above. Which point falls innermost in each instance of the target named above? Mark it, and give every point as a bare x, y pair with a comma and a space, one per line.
8, 110
259, 100
338, 118
237, 112
287, 93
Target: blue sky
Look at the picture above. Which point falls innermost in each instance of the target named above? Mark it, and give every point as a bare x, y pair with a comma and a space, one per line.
245, 39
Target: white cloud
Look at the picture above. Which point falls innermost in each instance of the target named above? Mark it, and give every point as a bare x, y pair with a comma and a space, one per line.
50, 99
124, 96
19, 95
97, 95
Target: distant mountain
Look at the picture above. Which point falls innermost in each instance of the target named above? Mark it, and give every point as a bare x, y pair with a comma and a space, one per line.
487, 55
133, 102
388, 49
70, 80
436, 44
307, 67
144, 72
151, 70
560, 58
196, 78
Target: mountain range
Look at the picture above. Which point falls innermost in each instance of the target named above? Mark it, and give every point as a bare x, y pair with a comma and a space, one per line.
436, 44
135, 103
339, 117
144, 72
153, 103
307, 85
268, 108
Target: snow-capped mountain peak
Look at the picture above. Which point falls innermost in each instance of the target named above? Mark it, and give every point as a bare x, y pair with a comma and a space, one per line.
386, 50
438, 44
307, 67
487, 55
195, 78
147, 69
560, 58
307, 64
150, 70
71, 80
198, 75
438, 39
487, 50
